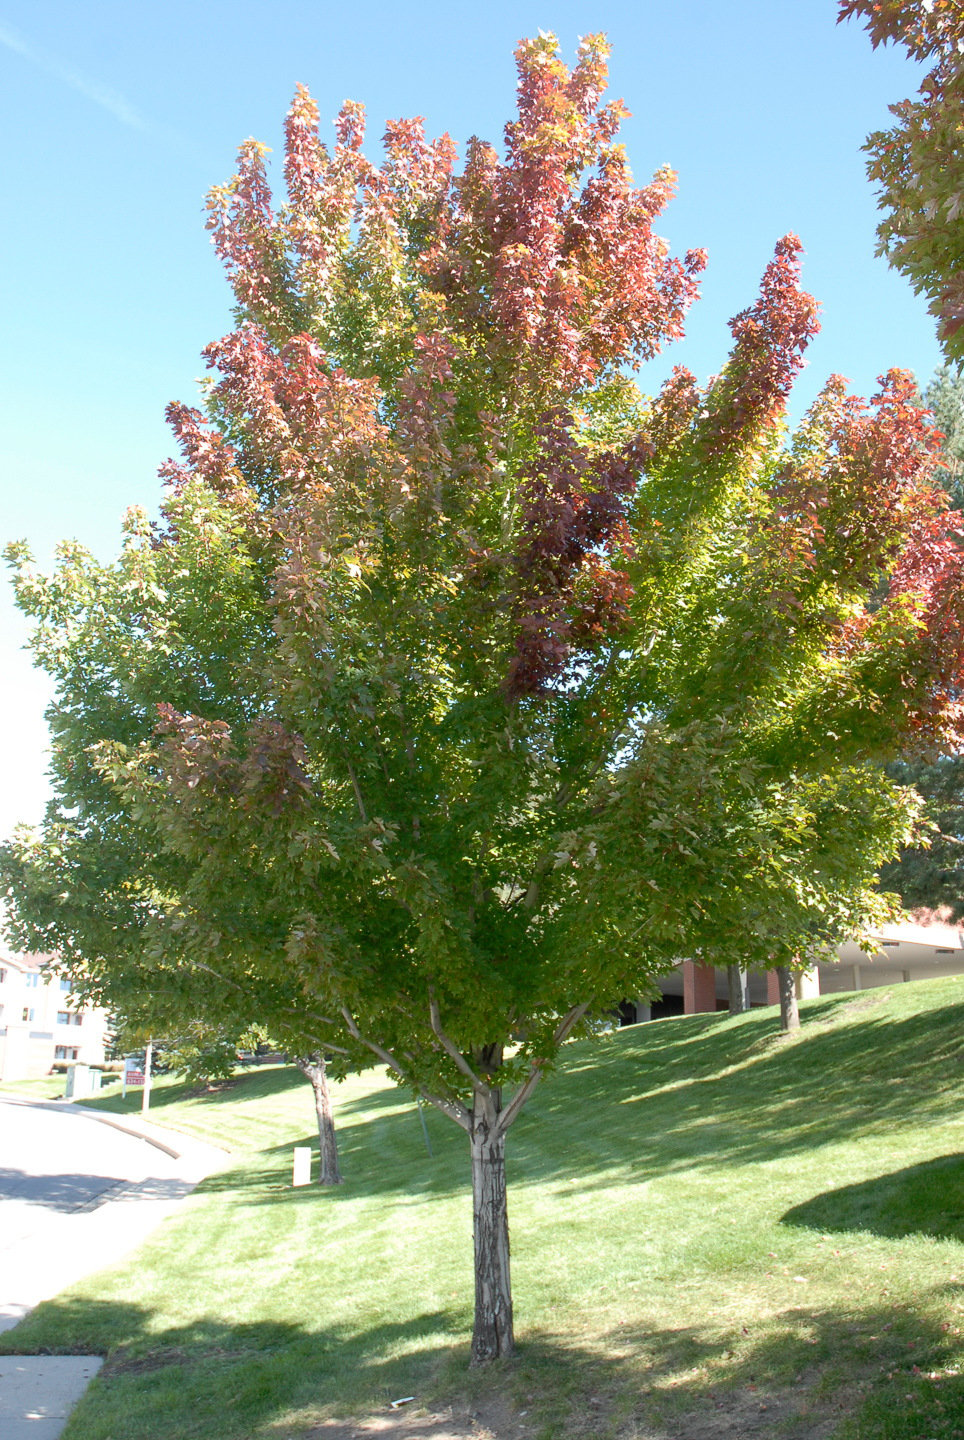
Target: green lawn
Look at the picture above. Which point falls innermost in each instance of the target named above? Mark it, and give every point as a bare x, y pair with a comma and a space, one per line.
46, 1087
716, 1232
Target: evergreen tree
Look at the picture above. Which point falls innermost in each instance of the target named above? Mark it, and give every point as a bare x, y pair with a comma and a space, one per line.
945, 397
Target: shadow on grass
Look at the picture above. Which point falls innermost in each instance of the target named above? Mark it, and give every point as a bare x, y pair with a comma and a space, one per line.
212, 1378
925, 1199
803, 1373
799, 1374
743, 1094
705, 1092
245, 1085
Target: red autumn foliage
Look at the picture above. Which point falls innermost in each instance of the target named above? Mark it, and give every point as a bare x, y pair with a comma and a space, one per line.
771, 337
538, 274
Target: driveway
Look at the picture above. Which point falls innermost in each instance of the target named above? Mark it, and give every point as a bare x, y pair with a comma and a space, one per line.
78, 1190
77, 1193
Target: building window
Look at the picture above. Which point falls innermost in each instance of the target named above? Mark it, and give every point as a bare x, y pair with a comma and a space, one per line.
63, 1017
3, 975
76, 1019
65, 1052
32, 981
27, 1012
65, 985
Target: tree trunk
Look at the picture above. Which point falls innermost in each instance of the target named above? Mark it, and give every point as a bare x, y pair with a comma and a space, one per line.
492, 1336
789, 1012
313, 1068
736, 988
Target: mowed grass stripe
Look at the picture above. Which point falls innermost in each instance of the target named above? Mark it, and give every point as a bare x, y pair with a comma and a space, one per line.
708, 1220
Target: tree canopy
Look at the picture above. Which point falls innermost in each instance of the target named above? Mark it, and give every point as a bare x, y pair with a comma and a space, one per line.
918, 163
930, 876
461, 688
944, 396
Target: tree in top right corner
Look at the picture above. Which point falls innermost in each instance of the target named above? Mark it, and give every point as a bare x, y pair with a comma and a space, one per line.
918, 163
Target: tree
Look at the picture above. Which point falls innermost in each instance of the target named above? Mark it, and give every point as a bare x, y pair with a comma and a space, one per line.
204, 1053
89, 908
460, 688
919, 163
944, 396
315, 1070
808, 878
199, 1052
930, 876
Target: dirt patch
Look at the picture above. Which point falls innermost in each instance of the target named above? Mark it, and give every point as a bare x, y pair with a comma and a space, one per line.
745, 1414
124, 1364
489, 1420
866, 1002
207, 1088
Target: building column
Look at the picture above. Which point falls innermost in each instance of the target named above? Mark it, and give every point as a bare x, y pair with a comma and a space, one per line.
699, 988
738, 989
773, 988
807, 983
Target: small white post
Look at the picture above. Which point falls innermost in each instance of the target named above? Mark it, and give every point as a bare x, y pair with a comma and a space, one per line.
302, 1165
146, 1097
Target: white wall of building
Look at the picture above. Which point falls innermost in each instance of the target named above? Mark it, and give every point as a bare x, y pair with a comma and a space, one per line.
41, 1024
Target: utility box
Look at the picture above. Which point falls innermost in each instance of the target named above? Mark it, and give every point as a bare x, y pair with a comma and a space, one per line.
81, 1080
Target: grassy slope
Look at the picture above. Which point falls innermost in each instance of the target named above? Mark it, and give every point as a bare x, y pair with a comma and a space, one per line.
715, 1231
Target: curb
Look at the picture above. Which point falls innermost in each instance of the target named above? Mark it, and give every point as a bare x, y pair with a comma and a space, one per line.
142, 1130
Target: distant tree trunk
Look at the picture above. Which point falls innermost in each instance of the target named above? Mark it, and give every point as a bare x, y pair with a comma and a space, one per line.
789, 1011
492, 1336
313, 1068
736, 989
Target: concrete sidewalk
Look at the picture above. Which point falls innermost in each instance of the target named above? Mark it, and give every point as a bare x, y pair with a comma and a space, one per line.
59, 1227
38, 1392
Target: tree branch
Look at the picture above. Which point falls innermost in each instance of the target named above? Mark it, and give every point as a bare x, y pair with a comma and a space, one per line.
452, 1050
563, 1029
354, 785
244, 990
567, 787
452, 1108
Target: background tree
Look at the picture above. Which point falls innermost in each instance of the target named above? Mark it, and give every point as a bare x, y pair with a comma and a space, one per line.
461, 689
944, 396
315, 1070
197, 1050
918, 164
930, 877
84, 901
814, 883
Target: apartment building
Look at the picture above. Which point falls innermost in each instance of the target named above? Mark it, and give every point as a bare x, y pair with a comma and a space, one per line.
40, 1024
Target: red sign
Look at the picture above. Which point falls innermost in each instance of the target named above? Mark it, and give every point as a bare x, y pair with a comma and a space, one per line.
134, 1077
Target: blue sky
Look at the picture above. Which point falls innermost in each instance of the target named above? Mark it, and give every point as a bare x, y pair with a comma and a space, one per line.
118, 117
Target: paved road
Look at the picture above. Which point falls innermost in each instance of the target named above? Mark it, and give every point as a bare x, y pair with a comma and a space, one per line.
76, 1195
